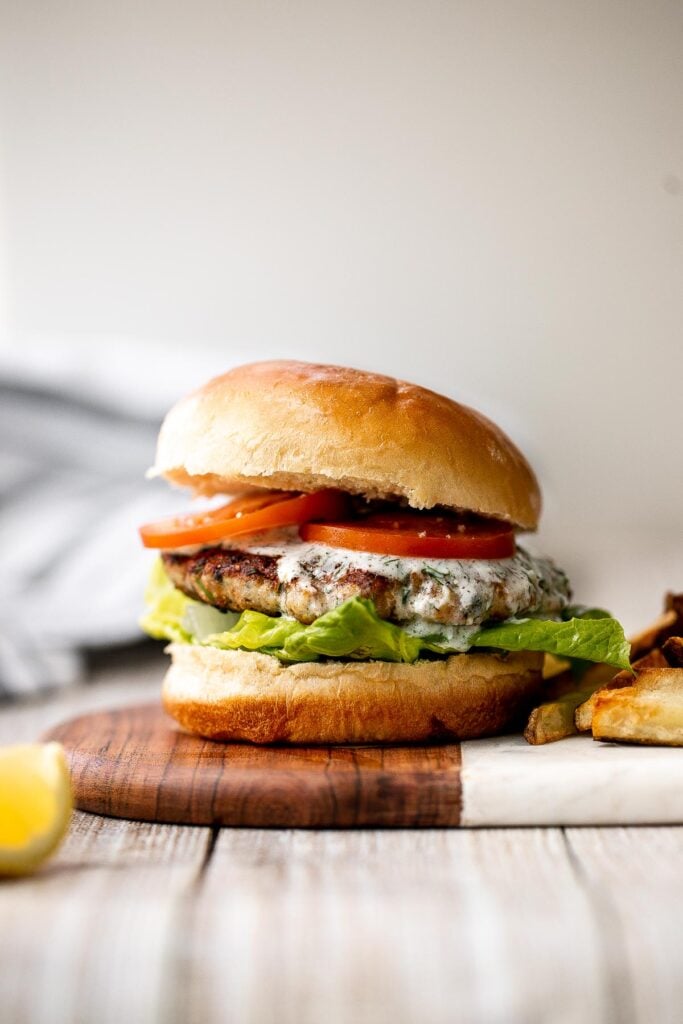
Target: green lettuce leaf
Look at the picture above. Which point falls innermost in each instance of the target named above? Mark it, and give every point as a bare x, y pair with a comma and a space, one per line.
258, 632
589, 639
354, 630
201, 620
165, 608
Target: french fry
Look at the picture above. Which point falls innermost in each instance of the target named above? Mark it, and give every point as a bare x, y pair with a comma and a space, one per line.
583, 716
648, 712
554, 666
669, 623
644, 642
653, 659
583, 719
570, 706
554, 718
673, 651
646, 652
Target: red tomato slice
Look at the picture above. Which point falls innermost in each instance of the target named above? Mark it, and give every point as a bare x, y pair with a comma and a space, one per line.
416, 534
249, 514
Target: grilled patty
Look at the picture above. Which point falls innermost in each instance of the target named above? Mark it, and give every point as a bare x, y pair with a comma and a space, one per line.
306, 580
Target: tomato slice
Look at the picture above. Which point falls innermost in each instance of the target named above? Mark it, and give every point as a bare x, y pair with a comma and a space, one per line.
416, 534
248, 514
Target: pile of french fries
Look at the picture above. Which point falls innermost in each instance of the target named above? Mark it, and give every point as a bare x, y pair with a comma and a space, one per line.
644, 705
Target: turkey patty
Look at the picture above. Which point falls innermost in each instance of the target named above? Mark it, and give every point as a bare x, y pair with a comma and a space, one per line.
306, 580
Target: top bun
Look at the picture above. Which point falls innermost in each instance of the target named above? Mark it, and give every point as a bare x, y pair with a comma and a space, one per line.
302, 426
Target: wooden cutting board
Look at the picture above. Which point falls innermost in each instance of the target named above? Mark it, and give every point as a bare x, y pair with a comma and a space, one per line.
136, 763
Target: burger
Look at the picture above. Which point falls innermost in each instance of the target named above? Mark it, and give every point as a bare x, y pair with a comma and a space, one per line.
364, 582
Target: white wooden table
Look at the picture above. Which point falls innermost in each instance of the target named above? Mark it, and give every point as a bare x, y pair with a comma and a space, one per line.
154, 923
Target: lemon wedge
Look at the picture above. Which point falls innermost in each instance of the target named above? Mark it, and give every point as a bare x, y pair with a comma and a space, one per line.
35, 805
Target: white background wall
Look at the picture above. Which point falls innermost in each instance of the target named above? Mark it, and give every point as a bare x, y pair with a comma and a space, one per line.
484, 196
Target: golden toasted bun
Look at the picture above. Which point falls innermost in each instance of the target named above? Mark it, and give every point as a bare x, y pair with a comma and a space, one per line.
300, 426
237, 695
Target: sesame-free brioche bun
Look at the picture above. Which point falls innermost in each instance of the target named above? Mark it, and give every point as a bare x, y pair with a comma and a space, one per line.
302, 426
240, 695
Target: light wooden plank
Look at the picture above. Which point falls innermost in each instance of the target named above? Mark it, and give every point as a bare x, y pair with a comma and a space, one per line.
634, 878
489, 926
87, 939
393, 926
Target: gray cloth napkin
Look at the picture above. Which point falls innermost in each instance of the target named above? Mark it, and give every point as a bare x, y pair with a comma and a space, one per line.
72, 493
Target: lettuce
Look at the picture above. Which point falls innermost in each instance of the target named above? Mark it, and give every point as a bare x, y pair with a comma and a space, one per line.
354, 630
201, 620
590, 639
166, 607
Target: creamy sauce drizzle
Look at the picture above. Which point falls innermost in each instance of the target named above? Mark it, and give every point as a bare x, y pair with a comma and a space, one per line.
533, 586
474, 580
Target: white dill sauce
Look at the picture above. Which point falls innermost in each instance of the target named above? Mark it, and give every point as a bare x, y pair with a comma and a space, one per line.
533, 586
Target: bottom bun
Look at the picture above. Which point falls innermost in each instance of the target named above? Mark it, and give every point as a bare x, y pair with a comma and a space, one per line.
238, 695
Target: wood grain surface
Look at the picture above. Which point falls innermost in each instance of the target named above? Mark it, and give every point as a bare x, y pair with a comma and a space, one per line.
156, 924
135, 763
